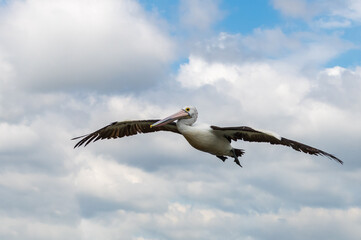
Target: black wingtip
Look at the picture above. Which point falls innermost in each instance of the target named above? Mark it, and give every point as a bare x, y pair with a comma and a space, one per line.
78, 144
338, 160
79, 137
332, 157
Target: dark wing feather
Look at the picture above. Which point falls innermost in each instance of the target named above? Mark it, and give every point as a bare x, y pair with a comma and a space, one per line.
121, 129
252, 135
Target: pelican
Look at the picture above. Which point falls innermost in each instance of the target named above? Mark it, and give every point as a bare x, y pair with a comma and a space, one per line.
211, 139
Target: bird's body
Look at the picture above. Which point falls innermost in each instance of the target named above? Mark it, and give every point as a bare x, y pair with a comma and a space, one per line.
203, 138
207, 138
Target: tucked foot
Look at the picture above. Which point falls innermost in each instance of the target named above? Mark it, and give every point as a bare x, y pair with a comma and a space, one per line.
236, 154
223, 158
237, 162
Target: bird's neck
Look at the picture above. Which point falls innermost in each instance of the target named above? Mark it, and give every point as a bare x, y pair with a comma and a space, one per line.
183, 124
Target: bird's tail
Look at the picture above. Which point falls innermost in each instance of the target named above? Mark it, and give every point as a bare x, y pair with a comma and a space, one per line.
238, 152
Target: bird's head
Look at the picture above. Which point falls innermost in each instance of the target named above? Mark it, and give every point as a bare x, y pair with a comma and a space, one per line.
188, 115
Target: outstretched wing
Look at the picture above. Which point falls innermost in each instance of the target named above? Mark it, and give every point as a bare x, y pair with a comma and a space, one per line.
121, 129
253, 135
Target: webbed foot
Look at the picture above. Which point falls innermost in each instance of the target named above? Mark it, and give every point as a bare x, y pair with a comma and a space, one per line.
236, 157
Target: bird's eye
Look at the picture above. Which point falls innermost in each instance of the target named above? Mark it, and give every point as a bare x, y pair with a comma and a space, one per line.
187, 109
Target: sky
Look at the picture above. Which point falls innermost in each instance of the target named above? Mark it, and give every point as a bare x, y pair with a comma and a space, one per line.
69, 67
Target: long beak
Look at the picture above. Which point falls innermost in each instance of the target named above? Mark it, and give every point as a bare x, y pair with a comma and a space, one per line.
171, 118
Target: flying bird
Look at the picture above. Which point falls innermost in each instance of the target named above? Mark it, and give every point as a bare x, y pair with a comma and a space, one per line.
207, 138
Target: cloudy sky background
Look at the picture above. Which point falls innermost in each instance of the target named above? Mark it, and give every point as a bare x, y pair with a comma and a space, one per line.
70, 67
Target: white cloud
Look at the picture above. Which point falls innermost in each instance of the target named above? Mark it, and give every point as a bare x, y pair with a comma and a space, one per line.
199, 15
332, 23
260, 87
99, 45
350, 9
118, 183
258, 84
302, 49
343, 83
300, 8
16, 137
345, 12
